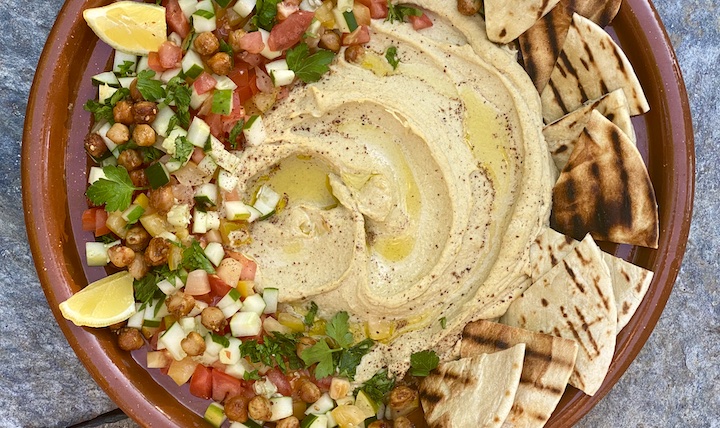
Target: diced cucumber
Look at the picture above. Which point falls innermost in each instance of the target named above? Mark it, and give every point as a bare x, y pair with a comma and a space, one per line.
203, 19
136, 320
169, 74
168, 287
314, 421
266, 52
350, 20
192, 64
266, 200
239, 369
105, 78
188, 7
187, 324
162, 121
199, 305
197, 100
227, 181
215, 414
155, 310
214, 252
120, 61
231, 353
344, 5
157, 175
270, 296
175, 38
245, 324
207, 193
125, 82
222, 102
105, 92
143, 64
213, 344
169, 144
254, 214
230, 304
323, 405
244, 7
199, 222
313, 30
133, 213
96, 254
331, 422
110, 160
171, 339
278, 64
340, 20
206, 5
95, 174
169, 236
236, 210
102, 131
224, 83
282, 77
281, 408
254, 131
198, 132
248, 424
254, 303
213, 220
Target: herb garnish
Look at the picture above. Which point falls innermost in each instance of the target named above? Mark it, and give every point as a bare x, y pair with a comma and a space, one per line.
391, 56
378, 386
149, 88
253, 375
183, 149
194, 258
277, 349
308, 68
399, 13
115, 190
235, 134
124, 69
310, 316
104, 111
146, 289
423, 362
178, 91
266, 14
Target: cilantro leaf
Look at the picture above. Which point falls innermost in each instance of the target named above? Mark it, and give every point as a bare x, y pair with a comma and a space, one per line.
338, 329
194, 258
266, 14
391, 56
235, 133
308, 68
350, 358
322, 354
423, 362
253, 375
115, 190
399, 13
310, 316
378, 386
183, 149
150, 88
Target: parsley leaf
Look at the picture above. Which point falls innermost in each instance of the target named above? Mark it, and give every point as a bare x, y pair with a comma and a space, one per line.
308, 68
146, 288
350, 358
253, 375
115, 190
235, 133
378, 386
423, 362
179, 92
310, 316
183, 149
124, 69
398, 12
338, 329
104, 111
220, 340
108, 238
194, 258
277, 349
150, 88
391, 56
322, 354
266, 14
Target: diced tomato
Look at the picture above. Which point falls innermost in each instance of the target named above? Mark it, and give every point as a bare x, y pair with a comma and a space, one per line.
101, 228
362, 14
263, 81
170, 54
360, 36
154, 62
286, 8
251, 58
420, 22
252, 42
204, 82
287, 33
378, 8
324, 383
218, 287
280, 381
88, 219
215, 123
201, 382
240, 74
225, 386
176, 19
198, 155
206, 298
249, 266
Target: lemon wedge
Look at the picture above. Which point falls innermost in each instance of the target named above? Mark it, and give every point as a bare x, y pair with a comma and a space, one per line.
102, 303
130, 27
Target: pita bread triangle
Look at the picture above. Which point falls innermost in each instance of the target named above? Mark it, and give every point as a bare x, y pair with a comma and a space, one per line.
548, 249
505, 20
590, 65
574, 300
541, 44
605, 189
549, 361
488, 381
561, 134
630, 283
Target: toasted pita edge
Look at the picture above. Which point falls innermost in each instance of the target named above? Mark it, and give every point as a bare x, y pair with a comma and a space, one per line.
506, 20
630, 284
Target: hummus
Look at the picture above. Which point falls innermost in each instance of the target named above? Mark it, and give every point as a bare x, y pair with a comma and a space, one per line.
413, 194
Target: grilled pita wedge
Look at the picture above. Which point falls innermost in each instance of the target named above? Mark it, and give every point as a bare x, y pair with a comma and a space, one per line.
605, 189
541, 44
505, 20
589, 66
561, 134
548, 249
549, 361
574, 300
488, 381
630, 283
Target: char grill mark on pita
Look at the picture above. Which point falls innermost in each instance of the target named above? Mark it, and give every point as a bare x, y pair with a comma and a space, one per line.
605, 189
630, 284
506, 20
589, 66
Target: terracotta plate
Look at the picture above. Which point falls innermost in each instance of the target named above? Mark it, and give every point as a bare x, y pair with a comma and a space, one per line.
54, 178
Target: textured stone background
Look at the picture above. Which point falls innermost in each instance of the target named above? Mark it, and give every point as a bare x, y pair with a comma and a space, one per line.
674, 382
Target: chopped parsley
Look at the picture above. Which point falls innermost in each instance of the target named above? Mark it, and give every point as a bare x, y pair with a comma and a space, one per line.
378, 386
391, 56
235, 133
115, 190
125, 69
321, 354
277, 349
266, 14
400, 13
338, 329
149, 88
146, 289
183, 149
308, 68
310, 316
423, 362
194, 258
178, 91
104, 111
443, 322
252, 375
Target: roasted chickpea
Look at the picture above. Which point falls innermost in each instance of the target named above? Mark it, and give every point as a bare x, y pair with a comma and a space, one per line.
234, 39
289, 422
156, 253
330, 40
144, 135
130, 159
193, 344
403, 398
134, 92
121, 256
137, 237
260, 408
213, 319
468, 7
236, 408
220, 63
123, 112
138, 268
139, 178
304, 343
309, 392
403, 422
118, 133
130, 339
180, 304
354, 54
144, 111
162, 198
95, 145
206, 43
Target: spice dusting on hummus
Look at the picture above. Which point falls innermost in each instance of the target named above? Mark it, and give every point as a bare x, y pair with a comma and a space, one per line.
413, 194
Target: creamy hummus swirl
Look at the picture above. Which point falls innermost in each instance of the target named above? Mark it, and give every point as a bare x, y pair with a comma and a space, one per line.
413, 194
